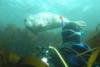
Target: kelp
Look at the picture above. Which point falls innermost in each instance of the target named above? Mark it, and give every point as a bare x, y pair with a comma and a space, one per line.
31, 60
16, 39
11, 59
25, 42
93, 40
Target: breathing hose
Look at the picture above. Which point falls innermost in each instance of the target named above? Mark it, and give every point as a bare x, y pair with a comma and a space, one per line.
60, 56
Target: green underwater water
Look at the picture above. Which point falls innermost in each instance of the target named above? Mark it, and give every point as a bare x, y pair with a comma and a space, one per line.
15, 11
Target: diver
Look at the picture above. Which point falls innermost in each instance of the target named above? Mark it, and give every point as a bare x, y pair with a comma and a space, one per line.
68, 54
71, 46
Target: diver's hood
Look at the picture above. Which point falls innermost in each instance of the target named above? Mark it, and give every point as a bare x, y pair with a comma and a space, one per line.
71, 32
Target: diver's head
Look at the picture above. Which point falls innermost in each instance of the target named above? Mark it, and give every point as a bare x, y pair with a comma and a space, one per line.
71, 32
